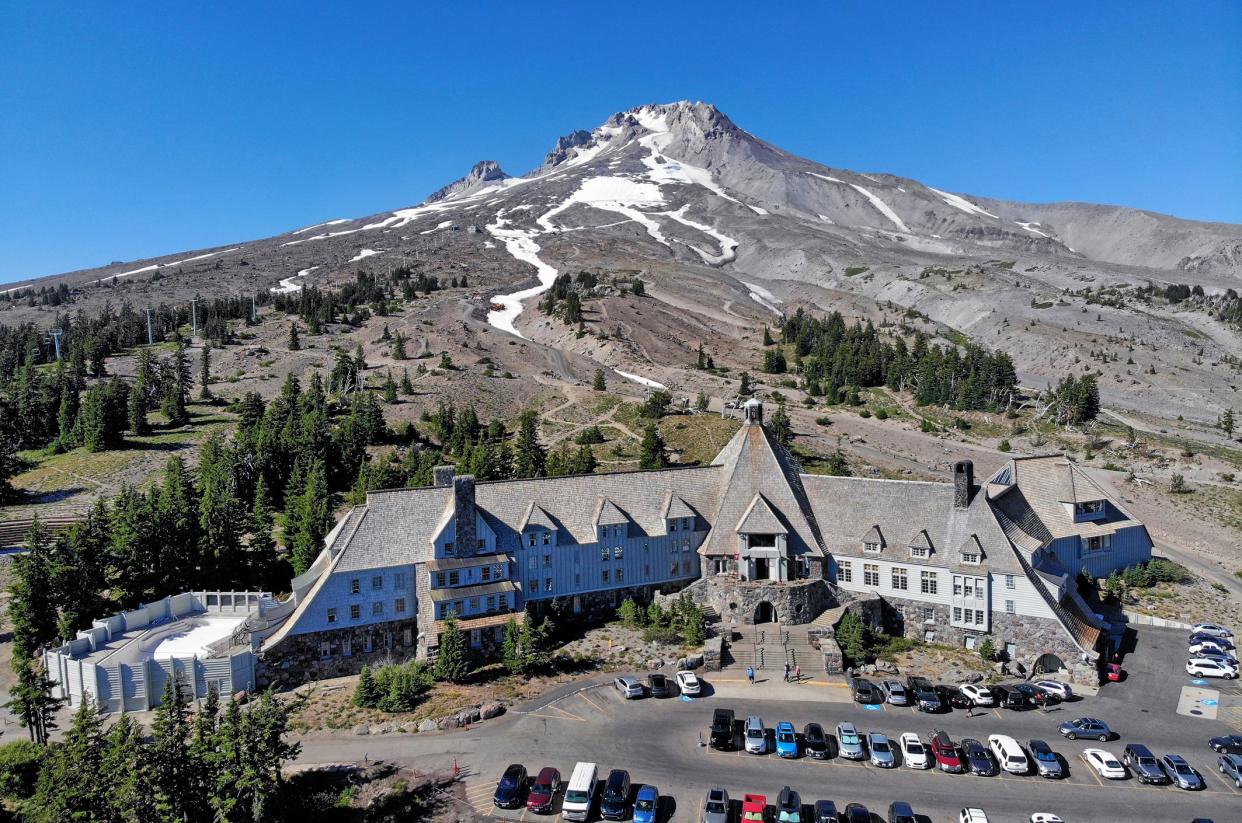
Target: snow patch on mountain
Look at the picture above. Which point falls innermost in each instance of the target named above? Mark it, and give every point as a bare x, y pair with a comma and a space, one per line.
443, 225
617, 194
292, 284
962, 203
157, 266
728, 246
321, 225
825, 177
881, 207
642, 381
521, 246
363, 254
764, 298
1028, 227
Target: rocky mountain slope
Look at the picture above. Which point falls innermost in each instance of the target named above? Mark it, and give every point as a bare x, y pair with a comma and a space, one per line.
727, 230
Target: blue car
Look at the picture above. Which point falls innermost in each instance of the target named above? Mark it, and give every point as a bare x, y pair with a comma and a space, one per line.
786, 740
647, 805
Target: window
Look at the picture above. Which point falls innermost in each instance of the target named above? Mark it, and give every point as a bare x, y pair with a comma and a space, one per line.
355, 586
620, 574
577, 579
685, 545
491, 602
899, 579
367, 645
918, 551
476, 638
355, 612
454, 577
398, 580
439, 580
331, 615
672, 569
871, 574
845, 572
672, 524
486, 573
603, 575
957, 586
530, 539
971, 557
957, 614
377, 608
448, 547
498, 571
547, 560
482, 543
618, 552
1089, 508
398, 605
871, 547
687, 523
325, 650
547, 584
927, 582
532, 561
1099, 543
474, 605
605, 553
347, 646
407, 637
979, 616
929, 615
1009, 607
377, 582
1010, 582
685, 567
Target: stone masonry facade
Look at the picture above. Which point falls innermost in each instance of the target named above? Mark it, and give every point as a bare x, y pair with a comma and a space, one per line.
737, 601
336, 653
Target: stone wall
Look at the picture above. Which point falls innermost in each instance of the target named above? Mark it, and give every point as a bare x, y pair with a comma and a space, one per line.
299, 657
794, 602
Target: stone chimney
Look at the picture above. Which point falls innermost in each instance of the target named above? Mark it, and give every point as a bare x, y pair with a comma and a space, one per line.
963, 483
442, 476
464, 514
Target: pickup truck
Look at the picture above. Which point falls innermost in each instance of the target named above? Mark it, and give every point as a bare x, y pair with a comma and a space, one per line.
722, 729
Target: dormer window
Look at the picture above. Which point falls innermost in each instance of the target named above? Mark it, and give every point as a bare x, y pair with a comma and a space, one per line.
871, 547
971, 559
1089, 510
919, 551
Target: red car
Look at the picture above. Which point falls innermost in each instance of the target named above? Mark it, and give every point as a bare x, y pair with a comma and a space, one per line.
543, 790
754, 808
945, 752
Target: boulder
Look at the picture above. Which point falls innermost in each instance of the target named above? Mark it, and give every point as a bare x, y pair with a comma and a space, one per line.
427, 725
449, 722
362, 728
694, 661
491, 710
655, 664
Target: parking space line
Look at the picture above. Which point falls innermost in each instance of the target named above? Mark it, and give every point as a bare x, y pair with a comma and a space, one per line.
597, 707
1228, 783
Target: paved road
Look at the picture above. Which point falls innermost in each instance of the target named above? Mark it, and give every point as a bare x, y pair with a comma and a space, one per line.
658, 741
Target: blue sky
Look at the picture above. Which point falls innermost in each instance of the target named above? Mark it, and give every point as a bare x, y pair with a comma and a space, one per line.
133, 130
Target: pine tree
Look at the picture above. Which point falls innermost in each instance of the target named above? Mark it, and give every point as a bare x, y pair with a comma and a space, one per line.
222, 516
597, 382
511, 648
31, 700
32, 613
701, 360
767, 337
68, 785
313, 516
398, 346
530, 458
407, 388
453, 658
782, 429
651, 450
1226, 422
367, 693
700, 402
204, 372
177, 530
169, 767
136, 411
124, 788
744, 387
294, 343
390, 389
263, 558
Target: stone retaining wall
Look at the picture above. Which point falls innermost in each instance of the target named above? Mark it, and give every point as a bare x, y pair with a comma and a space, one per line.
300, 657
795, 602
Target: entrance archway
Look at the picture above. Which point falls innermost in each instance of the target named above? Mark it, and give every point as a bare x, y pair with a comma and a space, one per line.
1048, 663
765, 612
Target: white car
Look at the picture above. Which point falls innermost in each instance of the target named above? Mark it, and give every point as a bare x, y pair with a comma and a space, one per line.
1011, 757
1203, 667
631, 688
979, 695
972, 816
1105, 764
689, 683
1055, 688
1046, 817
1194, 650
1210, 628
913, 752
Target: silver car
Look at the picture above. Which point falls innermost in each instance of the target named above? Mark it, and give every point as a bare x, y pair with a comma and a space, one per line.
895, 692
716, 806
881, 751
756, 735
630, 687
1180, 772
850, 742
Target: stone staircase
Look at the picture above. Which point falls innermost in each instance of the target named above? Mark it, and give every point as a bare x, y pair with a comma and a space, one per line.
769, 646
828, 618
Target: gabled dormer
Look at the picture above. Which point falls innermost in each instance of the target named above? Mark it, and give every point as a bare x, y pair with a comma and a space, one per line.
873, 541
971, 551
537, 527
610, 521
921, 545
1088, 510
679, 516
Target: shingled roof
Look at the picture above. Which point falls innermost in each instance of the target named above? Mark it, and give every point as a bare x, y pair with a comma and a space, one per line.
1031, 495
751, 464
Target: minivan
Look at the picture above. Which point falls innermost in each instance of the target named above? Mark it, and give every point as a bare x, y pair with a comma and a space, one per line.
1009, 754
580, 793
615, 804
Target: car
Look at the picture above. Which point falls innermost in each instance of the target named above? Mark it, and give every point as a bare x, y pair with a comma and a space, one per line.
580, 792
689, 683
543, 791
850, 742
895, 692
881, 751
754, 808
1180, 773
630, 687
1105, 764
788, 806
1007, 697
657, 684
864, 690
826, 812
614, 803
1047, 762
953, 696
647, 804
1210, 628
1144, 764
815, 741
1009, 755
945, 752
1224, 642
755, 735
1055, 687
721, 733
912, 751
1085, 727
786, 740
923, 693
716, 806
1207, 646
1228, 744
978, 759
856, 813
509, 790
1034, 695
1205, 667
979, 695
1220, 657
1230, 766
1046, 817
899, 811
972, 816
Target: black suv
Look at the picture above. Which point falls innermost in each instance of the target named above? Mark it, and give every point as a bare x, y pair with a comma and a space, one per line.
924, 694
1007, 697
815, 741
864, 690
953, 696
1144, 764
722, 729
509, 790
615, 804
657, 684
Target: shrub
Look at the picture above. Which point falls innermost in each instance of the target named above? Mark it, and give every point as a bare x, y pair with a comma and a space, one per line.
987, 652
881, 414
395, 687
823, 421
864, 413
19, 766
1004, 446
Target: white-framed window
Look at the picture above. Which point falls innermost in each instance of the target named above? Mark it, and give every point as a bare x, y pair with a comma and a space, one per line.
618, 552
845, 572
957, 614
532, 561
1009, 607
355, 585
871, 547
929, 615
474, 605
971, 558
1089, 508
547, 538
491, 602
448, 547
918, 551
970, 641
355, 612
871, 574
979, 616
1010, 582
957, 585
547, 584
331, 615
454, 577
325, 650
398, 605
530, 538
928, 583
604, 553
1098, 543
672, 524
899, 579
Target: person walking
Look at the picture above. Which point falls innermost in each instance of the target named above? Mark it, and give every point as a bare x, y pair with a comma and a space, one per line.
970, 709
750, 674
798, 673
786, 671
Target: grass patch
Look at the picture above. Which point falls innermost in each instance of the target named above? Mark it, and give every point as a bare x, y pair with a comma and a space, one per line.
854, 271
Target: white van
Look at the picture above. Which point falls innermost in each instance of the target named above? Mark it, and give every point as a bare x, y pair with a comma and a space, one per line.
580, 793
1011, 757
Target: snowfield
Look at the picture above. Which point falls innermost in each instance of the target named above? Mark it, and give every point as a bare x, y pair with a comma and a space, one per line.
363, 254
962, 203
728, 246
443, 225
1028, 227
291, 284
642, 381
521, 245
764, 298
336, 222
881, 207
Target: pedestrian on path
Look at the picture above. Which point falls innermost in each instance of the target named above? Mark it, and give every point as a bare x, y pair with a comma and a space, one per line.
750, 674
786, 671
798, 673
970, 710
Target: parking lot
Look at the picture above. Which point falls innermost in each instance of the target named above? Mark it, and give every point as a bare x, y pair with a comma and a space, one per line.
658, 742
